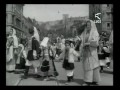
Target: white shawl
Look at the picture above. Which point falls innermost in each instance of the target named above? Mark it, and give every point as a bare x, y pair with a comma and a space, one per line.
15, 38
36, 35
94, 36
18, 59
9, 51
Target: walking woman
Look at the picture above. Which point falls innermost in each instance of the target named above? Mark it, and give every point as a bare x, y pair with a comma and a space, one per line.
11, 51
90, 39
33, 53
48, 68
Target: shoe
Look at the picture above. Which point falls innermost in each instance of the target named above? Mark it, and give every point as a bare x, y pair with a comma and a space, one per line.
46, 79
37, 76
72, 79
94, 83
85, 84
24, 77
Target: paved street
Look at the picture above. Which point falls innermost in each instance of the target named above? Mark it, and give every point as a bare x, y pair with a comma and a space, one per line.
13, 79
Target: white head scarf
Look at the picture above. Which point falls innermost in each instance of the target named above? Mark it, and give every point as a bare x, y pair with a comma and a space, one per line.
20, 45
93, 33
15, 38
45, 42
21, 52
36, 35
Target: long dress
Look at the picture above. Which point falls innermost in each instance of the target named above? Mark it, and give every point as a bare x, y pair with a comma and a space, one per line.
30, 59
101, 56
90, 63
20, 64
47, 53
10, 63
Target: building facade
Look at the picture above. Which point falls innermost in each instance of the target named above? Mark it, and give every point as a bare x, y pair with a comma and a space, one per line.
94, 9
106, 16
14, 18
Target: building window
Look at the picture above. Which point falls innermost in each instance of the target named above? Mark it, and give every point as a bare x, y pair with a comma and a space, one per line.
18, 24
108, 14
108, 25
12, 19
18, 7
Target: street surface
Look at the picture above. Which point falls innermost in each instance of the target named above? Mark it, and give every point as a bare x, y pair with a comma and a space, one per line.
14, 79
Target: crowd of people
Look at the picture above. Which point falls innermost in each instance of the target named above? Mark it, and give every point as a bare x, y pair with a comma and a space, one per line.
86, 48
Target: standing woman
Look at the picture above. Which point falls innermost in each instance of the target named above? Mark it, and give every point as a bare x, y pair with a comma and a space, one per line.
12, 45
90, 39
33, 53
20, 64
101, 56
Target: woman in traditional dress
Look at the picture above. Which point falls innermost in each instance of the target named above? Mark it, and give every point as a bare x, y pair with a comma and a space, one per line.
58, 48
107, 54
77, 45
12, 45
21, 60
33, 53
101, 56
48, 67
90, 38
68, 55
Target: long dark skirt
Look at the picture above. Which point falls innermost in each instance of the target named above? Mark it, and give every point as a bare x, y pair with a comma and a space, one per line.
58, 51
101, 56
67, 65
21, 65
46, 67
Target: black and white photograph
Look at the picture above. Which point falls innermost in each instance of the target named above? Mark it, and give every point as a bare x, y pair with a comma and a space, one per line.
59, 45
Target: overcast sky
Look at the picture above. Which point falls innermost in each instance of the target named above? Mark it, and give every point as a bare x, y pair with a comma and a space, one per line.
51, 12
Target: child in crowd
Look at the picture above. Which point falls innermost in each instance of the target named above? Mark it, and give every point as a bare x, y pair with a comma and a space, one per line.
21, 60
68, 64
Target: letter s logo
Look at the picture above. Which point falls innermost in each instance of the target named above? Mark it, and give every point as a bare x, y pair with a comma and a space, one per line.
96, 16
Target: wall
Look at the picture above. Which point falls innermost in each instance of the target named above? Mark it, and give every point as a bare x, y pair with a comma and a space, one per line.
12, 16
107, 17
